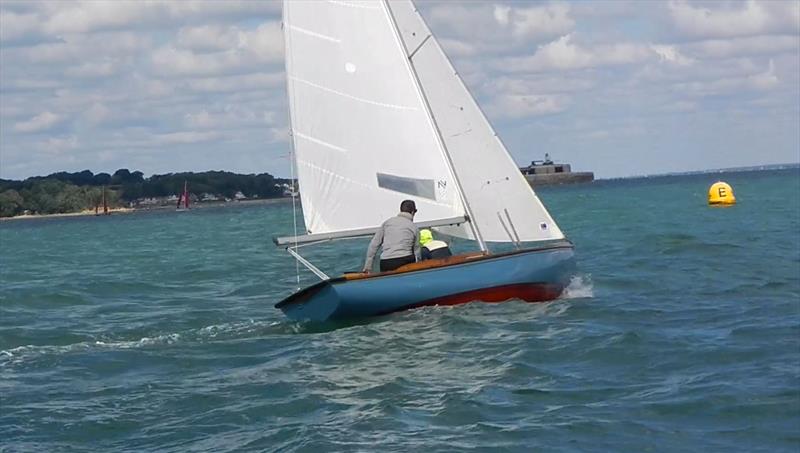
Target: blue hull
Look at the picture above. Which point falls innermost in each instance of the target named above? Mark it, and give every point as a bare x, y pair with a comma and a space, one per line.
532, 275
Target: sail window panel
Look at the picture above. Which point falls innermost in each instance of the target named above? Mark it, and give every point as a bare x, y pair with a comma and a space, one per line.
410, 186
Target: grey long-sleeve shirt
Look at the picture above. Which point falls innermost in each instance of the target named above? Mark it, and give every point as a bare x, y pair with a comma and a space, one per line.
398, 236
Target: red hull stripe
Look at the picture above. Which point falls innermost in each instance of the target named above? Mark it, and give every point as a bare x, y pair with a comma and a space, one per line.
528, 292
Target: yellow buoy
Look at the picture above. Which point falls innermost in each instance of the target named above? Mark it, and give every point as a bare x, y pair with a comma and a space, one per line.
721, 193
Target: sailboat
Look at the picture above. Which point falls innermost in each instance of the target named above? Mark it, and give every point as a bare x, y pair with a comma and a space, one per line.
378, 115
184, 198
105, 204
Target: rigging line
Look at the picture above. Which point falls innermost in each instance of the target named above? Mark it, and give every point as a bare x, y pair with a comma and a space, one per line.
292, 152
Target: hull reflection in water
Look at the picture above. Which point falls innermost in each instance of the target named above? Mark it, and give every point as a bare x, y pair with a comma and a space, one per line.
533, 275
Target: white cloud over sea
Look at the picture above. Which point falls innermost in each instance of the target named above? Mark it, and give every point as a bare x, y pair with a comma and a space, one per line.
619, 87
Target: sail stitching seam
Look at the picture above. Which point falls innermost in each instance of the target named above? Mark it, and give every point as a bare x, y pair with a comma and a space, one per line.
355, 98
320, 142
314, 34
351, 4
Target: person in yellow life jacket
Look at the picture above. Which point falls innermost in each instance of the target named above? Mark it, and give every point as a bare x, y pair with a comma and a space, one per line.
431, 248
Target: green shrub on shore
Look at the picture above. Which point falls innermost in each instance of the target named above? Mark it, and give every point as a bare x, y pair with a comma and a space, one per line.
65, 192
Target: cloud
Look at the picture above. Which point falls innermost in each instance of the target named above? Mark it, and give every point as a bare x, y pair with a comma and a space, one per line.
724, 21
15, 28
211, 37
91, 16
456, 48
760, 81
253, 48
186, 137
58, 145
83, 47
92, 69
537, 21
162, 85
38, 123
237, 83
229, 117
515, 106
750, 45
504, 27
671, 54
562, 54
98, 113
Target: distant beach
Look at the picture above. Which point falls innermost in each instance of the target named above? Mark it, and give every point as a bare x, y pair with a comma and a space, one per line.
116, 211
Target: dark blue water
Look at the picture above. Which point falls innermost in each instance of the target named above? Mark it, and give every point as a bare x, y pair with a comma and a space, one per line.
156, 332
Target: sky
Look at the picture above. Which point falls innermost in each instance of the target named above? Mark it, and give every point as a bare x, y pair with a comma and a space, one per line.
621, 88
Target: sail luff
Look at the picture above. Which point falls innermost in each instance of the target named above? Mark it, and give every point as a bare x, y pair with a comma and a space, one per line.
292, 140
442, 145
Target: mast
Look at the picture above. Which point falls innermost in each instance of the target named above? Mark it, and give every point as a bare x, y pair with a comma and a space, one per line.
410, 64
186, 194
105, 202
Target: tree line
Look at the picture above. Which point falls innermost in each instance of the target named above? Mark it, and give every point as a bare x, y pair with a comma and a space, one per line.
65, 192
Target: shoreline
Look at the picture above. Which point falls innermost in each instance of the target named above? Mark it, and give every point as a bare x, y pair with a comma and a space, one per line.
116, 211
84, 213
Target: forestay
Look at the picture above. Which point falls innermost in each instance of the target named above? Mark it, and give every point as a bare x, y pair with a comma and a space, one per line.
362, 136
501, 200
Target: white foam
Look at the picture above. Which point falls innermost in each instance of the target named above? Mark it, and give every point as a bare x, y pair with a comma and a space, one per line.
212, 332
580, 287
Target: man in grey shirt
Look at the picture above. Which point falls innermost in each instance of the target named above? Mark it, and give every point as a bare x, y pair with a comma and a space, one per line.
399, 238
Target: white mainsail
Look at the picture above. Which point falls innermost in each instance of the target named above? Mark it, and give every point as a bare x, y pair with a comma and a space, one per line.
362, 137
379, 115
491, 181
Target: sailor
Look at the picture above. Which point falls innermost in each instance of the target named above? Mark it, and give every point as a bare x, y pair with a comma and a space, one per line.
399, 238
432, 248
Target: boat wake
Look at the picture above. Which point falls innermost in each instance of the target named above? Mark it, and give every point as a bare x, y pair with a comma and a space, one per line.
580, 287
212, 333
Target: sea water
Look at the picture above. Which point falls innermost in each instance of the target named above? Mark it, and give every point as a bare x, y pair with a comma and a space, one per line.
156, 332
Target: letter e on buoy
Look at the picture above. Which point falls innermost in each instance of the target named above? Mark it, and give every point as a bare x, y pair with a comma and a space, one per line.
721, 193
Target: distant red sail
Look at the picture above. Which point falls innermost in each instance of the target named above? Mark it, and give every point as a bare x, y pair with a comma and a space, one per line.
185, 195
